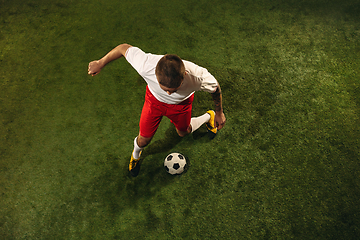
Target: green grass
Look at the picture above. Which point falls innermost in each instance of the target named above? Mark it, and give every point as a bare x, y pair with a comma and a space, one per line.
286, 165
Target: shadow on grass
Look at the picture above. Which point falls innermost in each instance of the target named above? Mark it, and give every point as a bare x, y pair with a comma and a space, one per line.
99, 204
109, 196
170, 140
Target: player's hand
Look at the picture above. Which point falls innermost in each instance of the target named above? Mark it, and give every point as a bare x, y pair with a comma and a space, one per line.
94, 68
220, 120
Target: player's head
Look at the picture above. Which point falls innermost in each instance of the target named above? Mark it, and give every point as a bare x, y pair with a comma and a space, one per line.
170, 71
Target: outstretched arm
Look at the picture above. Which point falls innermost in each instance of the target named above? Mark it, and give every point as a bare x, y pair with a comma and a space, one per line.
118, 52
219, 114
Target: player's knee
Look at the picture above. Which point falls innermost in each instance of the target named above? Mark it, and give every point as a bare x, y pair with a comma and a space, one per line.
183, 134
143, 142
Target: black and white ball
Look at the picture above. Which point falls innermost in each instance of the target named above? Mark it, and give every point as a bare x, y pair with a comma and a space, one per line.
175, 163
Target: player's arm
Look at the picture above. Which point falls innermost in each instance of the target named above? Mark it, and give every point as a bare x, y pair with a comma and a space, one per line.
219, 114
118, 52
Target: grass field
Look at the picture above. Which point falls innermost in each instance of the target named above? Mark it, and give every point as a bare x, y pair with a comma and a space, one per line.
285, 166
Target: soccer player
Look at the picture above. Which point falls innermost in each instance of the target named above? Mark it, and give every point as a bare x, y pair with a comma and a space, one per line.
171, 83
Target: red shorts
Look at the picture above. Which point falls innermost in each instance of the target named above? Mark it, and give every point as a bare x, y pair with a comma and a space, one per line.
153, 111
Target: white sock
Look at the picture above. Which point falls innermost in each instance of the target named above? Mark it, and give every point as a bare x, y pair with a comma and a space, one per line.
137, 149
196, 122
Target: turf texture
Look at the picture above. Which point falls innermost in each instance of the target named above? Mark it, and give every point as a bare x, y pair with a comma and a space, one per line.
285, 166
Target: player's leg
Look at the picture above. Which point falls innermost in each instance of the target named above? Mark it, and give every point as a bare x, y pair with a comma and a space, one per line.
150, 119
184, 133
196, 123
181, 117
143, 141
140, 143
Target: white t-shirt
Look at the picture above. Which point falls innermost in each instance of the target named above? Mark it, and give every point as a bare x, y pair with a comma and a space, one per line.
196, 79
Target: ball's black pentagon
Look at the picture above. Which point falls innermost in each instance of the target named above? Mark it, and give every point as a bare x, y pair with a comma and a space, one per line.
170, 157
181, 156
166, 168
176, 166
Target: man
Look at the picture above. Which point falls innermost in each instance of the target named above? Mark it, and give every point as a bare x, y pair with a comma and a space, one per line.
171, 83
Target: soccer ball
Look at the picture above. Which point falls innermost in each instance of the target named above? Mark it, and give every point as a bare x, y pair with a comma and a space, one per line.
175, 163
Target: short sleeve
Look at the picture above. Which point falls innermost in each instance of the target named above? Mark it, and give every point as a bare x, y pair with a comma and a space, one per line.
209, 83
137, 58
201, 77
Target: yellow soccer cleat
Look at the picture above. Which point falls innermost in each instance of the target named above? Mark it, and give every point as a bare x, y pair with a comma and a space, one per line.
212, 129
134, 165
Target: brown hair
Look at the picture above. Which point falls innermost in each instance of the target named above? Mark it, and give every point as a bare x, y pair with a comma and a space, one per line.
170, 71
